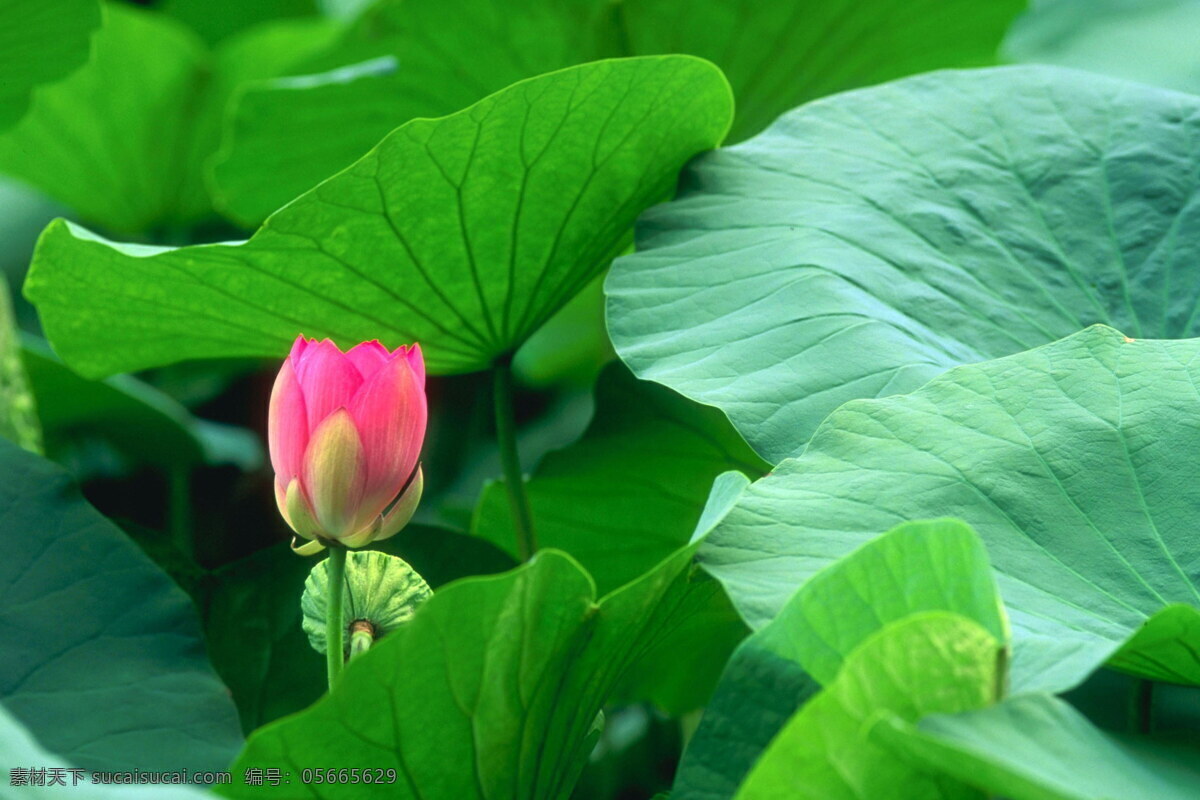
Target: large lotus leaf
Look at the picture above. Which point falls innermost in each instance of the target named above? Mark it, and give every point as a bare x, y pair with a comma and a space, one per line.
40, 43
916, 568
934, 662
1152, 41
630, 491
20, 753
1038, 747
868, 242
491, 690
1070, 460
776, 54
464, 233
101, 655
18, 416
124, 139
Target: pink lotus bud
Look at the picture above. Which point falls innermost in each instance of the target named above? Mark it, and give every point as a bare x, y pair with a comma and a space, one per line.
345, 434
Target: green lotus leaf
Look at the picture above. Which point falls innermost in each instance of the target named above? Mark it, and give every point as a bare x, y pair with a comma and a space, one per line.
464, 233
39, 44
933, 662
1141, 40
381, 589
1071, 461
492, 689
286, 135
100, 652
1038, 747
916, 568
868, 242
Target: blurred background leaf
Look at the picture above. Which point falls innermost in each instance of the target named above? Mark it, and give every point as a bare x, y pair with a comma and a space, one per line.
1139, 40
18, 416
776, 55
40, 43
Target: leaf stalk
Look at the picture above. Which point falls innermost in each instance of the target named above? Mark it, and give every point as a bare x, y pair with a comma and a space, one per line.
510, 459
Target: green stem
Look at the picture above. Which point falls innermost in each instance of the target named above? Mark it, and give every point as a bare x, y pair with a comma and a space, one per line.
514, 479
334, 630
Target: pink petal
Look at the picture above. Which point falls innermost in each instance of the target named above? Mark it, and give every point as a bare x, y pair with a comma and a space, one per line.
298, 348
368, 357
403, 509
328, 379
389, 412
417, 362
287, 424
334, 476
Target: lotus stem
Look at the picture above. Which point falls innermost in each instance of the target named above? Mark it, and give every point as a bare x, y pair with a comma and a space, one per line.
334, 630
514, 479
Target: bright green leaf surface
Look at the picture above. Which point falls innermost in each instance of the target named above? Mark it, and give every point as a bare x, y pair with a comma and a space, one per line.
1037, 747
18, 414
101, 654
40, 43
1071, 460
928, 663
776, 54
18, 749
141, 423
868, 242
489, 691
918, 567
627, 494
1152, 41
464, 233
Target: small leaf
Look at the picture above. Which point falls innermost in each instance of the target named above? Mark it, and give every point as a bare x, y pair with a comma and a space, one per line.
928, 663
381, 589
253, 622
916, 568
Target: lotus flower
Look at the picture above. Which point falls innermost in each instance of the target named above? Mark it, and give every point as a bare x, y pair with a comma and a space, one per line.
345, 434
